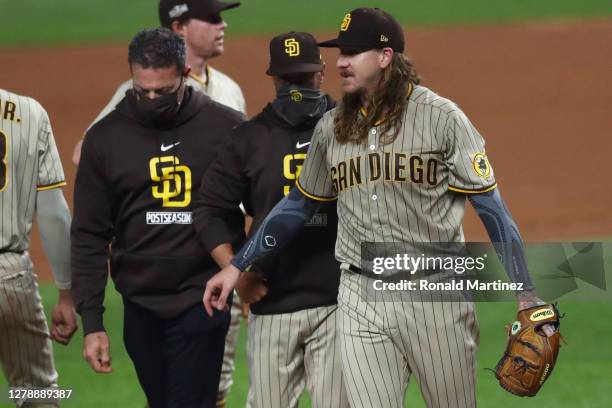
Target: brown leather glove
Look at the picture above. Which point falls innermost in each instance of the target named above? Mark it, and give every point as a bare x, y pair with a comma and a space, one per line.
530, 356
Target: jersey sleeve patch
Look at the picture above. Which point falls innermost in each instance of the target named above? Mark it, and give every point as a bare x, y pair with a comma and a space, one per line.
481, 165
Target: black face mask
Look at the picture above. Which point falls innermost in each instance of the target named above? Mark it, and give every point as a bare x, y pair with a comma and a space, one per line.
161, 110
299, 106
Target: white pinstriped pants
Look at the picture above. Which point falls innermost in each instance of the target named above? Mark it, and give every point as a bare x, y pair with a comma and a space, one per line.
26, 352
287, 351
384, 341
229, 352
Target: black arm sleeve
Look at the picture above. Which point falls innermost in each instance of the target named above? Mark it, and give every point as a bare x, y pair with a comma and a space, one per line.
217, 215
284, 221
504, 235
90, 234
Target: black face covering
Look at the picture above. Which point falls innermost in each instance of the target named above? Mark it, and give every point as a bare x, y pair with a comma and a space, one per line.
299, 106
161, 110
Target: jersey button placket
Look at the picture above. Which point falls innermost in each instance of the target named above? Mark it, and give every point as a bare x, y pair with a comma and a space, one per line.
373, 139
373, 143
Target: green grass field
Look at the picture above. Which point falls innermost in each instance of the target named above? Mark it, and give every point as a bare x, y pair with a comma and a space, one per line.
42, 22
581, 378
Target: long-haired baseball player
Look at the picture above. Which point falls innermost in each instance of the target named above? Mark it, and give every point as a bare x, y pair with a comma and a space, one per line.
292, 325
31, 175
401, 161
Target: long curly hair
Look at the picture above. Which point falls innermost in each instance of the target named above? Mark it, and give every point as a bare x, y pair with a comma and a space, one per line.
388, 102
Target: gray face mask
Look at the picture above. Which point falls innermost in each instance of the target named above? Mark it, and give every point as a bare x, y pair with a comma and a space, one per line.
161, 110
299, 106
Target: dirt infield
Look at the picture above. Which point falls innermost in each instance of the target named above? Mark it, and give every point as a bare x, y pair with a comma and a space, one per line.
540, 94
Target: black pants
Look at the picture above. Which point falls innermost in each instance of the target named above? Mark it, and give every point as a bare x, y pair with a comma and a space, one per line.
178, 361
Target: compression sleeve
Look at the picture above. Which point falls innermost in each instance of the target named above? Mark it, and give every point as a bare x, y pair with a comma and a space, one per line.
284, 221
504, 235
53, 217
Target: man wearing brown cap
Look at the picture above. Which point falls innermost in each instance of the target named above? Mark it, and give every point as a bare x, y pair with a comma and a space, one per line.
292, 324
401, 162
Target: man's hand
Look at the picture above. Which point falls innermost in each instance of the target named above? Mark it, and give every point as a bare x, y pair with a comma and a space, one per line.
96, 350
251, 287
63, 318
219, 287
527, 299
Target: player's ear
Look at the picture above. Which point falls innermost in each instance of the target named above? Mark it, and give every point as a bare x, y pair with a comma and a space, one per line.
385, 57
178, 27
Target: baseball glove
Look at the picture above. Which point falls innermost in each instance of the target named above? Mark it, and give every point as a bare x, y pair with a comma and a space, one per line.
530, 356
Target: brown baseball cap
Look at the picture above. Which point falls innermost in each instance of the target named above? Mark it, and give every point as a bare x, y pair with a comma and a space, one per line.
294, 52
368, 28
170, 10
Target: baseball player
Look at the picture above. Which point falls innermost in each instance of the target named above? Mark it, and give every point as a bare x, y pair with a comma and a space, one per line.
292, 324
134, 190
200, 24
31, 175
401, 161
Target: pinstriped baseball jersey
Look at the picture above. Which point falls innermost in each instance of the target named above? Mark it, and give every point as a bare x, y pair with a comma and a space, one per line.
30, 162
400, 192
219, 87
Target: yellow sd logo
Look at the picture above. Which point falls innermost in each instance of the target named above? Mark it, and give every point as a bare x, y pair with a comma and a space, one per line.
292, 47
292, 164
296, 96
541, 315
173, 181
481, 165
346, 22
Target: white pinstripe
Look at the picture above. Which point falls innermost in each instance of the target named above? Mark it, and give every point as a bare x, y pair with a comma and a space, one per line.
291, 350
388, 338
26, 351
